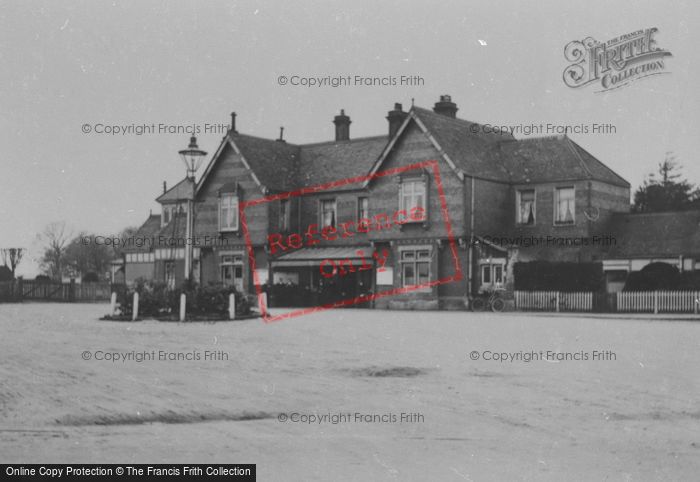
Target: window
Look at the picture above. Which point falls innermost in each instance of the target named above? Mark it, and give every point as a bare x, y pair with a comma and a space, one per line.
412, 194
415, 267
328, 213
486, 274
362, 208
166, 215
564, 205
526, 207
228, 212
492, 275
285, 215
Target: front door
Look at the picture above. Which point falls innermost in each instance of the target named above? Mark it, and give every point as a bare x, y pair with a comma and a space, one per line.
232, 271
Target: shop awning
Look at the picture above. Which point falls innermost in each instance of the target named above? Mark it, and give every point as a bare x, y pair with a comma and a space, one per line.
314, 256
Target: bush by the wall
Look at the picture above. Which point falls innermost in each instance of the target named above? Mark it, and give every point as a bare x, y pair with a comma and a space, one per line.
662, 276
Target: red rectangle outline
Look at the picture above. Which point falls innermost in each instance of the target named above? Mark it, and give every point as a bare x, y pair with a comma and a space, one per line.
432, 164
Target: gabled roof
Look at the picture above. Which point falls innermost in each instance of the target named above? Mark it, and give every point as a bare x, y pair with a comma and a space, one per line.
466, 146
655, 235
147, 230
551, 159
179, 192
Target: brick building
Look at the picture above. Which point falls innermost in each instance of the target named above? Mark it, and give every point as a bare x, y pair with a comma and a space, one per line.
508, 200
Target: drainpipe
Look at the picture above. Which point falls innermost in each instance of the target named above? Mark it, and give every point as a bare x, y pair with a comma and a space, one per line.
470, 252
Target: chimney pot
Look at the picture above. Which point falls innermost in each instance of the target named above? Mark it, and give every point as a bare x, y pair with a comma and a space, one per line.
342, 126
446, 107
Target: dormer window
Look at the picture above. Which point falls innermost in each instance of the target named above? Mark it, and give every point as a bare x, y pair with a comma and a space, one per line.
228, 212
526, 207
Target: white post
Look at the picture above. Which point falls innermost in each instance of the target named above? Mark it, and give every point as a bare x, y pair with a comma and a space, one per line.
263, 302
232, 306
183, 304
656, 302
113, 303
135, 311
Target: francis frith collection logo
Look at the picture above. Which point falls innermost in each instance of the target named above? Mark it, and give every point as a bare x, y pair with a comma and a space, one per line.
615, 63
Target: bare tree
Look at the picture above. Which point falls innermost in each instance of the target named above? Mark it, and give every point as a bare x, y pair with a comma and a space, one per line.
12, 257
54, 239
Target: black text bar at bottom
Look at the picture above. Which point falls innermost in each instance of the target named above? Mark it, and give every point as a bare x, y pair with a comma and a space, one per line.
238, 472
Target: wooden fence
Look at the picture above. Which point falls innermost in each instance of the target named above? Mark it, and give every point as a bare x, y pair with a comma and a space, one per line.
20, 290
554, 301
622, 302
658, 301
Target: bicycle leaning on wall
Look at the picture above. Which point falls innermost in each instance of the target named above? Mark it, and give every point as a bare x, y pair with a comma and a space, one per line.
488, 300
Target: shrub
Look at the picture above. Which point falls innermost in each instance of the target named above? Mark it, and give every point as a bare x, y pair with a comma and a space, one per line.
91, 277
156, 299
558, 276
42, 278
659, 276
5, 273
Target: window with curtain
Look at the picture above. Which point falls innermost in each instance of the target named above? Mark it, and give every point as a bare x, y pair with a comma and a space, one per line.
564, 205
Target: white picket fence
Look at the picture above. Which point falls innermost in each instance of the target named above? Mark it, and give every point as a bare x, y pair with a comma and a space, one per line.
626, 302
658, 301
554, 301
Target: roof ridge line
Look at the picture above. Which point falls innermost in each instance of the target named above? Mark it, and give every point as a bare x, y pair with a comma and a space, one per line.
578, 156
365, 138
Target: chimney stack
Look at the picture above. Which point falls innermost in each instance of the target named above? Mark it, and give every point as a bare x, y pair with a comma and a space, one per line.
342, 126
395, 118
233, 123
281, 139
446, 107
165, 187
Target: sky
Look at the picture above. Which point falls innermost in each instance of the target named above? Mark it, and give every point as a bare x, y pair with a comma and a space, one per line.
69, 64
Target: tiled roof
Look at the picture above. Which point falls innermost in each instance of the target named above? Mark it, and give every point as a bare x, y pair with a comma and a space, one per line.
335, 161
275, 163
647, 235
180, 191
173, 232
281, 166
147, 230
550, 159
467, 144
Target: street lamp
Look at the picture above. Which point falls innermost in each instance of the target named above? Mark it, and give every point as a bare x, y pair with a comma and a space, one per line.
192, 157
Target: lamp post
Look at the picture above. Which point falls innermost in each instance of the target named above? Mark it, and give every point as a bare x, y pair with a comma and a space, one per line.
192, 157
